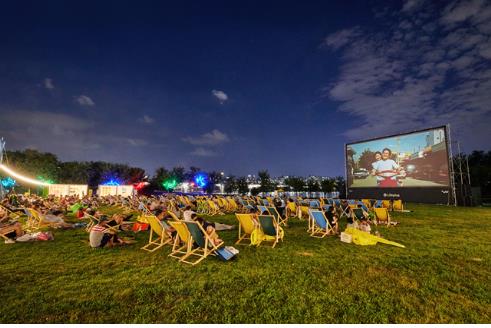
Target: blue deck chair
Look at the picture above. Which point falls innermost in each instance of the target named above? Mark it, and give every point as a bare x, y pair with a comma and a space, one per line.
378, 204
315, 204
320, 225
263, 209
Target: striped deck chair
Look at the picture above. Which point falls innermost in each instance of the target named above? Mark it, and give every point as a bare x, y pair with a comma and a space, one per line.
320, 226
246, 226
161, 237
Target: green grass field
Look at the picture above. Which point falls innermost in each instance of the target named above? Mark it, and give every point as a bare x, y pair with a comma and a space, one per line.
442, 276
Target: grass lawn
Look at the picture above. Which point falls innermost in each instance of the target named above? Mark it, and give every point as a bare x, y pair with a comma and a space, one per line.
442, 276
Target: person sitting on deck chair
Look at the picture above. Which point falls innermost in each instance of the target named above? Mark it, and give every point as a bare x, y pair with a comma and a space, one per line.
209, 228
332, 218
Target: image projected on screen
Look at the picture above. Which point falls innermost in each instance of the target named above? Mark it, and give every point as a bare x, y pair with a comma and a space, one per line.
410, 160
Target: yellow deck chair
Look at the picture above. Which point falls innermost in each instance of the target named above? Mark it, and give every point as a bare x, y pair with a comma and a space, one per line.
291, 209
35, 220
182, 242
246, 226
397, 205
302, 211
161, 237
382, 216
386, 204
367, 203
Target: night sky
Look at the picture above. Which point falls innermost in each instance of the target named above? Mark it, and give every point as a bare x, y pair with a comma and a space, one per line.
239, 86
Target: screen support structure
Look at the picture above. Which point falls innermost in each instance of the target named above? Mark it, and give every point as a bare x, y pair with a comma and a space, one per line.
2, 150
462, 177
452, 196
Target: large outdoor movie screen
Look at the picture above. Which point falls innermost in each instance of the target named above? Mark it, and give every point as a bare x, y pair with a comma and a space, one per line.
418, 159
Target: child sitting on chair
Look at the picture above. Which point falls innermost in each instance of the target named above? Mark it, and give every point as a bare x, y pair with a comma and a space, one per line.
209, 228
333, 219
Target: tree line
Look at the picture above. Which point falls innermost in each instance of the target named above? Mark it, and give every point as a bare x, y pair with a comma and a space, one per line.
48, 167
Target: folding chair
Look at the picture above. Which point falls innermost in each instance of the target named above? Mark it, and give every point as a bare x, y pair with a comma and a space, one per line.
246, 226
320, 226
397, 205
161, 236
205, 245
270, 228
273, 211
382, 215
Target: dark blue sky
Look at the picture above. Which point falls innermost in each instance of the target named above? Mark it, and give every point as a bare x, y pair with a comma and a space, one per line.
239, 86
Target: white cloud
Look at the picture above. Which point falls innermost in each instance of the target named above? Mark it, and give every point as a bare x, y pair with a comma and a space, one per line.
459, 11
341, 38
411, 5
136, 142
48, 83
212, 138
84, 100
220, 95
146, 119
402, 79
203, 152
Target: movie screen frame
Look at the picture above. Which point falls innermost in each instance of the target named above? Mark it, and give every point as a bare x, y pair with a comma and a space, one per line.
367, 167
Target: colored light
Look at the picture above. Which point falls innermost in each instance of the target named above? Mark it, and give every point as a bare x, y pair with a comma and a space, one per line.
112, 182
23, 178
141, 185
169, 184
201, 180
7, 182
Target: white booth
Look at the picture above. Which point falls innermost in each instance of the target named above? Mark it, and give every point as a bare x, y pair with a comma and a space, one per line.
125, 191
60, 190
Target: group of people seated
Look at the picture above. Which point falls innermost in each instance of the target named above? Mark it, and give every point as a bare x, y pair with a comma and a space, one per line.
166, 208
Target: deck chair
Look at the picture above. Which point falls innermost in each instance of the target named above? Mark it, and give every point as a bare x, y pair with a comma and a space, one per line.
270, 228
386, 204
382, 215
357, 215
161, 237
35, 220
6, 231
273, 211
246, 226
397, 205
291, 209
302, 211
314, 204
377, 204
11, 214
205, 246
182, 241
263, 209
320, 226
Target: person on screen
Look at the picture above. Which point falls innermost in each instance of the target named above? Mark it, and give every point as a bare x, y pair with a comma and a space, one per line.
378, 158
386, 170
